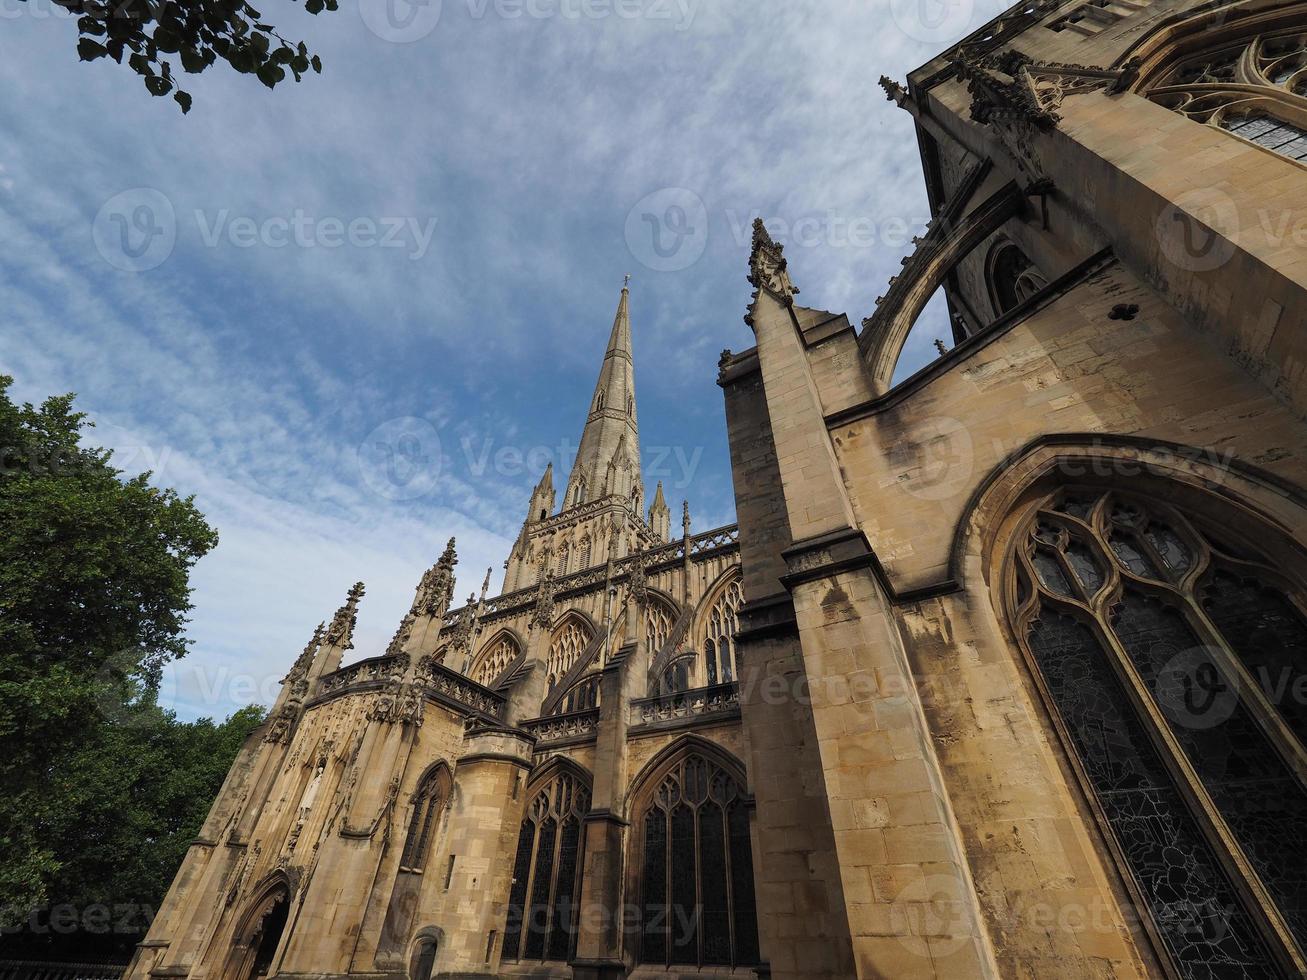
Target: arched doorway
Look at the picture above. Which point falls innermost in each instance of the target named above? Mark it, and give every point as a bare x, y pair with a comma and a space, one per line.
268, 938
424, 959
257, 938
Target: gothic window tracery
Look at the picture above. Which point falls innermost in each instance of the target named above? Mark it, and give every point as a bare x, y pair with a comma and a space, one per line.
428, 802
696, 872
1123, 602
719, 637
494, 661
546, 873
1254, 88
564, 558
565, 649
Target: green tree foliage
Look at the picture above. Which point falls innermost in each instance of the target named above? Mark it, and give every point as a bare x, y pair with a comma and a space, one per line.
157, 36
101, 788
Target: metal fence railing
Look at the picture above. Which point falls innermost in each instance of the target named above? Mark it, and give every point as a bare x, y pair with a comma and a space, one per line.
38, 970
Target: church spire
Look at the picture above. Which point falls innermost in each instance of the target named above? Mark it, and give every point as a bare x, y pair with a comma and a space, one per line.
608, 460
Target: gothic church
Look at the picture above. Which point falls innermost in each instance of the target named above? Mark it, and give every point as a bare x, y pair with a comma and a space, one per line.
1003, 672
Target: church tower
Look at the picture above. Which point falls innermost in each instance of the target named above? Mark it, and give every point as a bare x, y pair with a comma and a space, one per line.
603, 501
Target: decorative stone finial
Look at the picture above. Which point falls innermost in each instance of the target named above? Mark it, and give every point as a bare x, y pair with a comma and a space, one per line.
895, 92
767, 266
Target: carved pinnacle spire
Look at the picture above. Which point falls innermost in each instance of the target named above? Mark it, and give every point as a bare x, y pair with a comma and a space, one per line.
767, 267
305, 660
437, 586
341, 631
610, 441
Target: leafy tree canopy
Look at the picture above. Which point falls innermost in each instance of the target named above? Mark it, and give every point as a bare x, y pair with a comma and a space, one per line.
158, 36
102, 788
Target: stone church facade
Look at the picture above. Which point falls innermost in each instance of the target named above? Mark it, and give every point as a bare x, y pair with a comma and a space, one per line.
1045, 597
1003, 672
479, 800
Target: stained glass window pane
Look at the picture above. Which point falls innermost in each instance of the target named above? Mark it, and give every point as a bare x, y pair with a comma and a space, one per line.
1171, 547
561, 918
653, 949
1086, 569
710, 661
716, 918
1050, 572
743, 910
517, 896
537, 915
1132, 556
1193, 903
1259, 797
1269, 636
683, 920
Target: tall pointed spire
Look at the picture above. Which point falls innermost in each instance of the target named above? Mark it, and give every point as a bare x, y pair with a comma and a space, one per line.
608, 460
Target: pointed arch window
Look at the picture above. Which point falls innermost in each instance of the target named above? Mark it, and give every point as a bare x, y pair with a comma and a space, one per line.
1252, 87
583, 696
719, 637
587, 552
565, 649
1011, 277
492, 663
657, 626
546, 889
564, 559
428, 804
696, 869
1167, 658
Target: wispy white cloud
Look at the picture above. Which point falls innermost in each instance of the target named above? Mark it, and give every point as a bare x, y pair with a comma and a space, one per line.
254, 376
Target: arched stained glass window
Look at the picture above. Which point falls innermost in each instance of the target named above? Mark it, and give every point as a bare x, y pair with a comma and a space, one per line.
494, 660
657, 627
1254, 87
696, 880
547, 873
1124, 602
719, 635
566, 646
428, 802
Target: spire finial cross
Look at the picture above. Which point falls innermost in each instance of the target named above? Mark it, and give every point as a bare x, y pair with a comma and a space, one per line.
627, 281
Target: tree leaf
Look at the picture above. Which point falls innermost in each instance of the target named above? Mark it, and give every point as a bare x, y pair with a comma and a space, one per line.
89, 50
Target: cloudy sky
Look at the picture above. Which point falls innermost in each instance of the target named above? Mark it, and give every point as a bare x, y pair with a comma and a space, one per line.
357, 315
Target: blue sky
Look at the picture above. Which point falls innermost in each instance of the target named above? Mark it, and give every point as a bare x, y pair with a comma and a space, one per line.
355, 316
